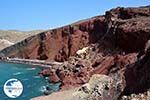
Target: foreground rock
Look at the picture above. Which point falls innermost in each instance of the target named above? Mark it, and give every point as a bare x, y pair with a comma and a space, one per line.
140, 96
100, 87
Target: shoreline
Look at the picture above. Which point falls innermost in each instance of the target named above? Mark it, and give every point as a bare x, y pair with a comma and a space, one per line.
34, 62
26, 73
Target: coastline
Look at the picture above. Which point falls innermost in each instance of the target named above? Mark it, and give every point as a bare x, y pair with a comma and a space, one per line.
30, 78
34, 62
115, 46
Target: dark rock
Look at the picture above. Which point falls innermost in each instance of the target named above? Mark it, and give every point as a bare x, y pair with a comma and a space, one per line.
46, 92
45, 73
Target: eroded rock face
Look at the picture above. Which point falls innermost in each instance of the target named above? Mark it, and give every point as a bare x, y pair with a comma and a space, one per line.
133, 34
130, 27
138, 75
127, 28
116, 47
121, 50
58, 44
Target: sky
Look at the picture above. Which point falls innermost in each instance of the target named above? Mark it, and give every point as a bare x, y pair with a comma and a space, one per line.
28, 15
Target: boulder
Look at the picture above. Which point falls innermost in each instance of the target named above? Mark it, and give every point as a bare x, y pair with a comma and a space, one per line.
99, 87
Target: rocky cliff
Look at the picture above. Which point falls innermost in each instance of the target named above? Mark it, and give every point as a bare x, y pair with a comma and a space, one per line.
116, 44
59, 44
125, 26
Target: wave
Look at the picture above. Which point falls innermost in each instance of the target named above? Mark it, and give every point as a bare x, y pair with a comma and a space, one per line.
18, 73
31, 68
36, 76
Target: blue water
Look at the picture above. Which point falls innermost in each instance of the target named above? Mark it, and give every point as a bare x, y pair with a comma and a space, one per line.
33, 85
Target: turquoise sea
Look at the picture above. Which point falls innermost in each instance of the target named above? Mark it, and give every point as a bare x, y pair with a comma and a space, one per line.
33, 84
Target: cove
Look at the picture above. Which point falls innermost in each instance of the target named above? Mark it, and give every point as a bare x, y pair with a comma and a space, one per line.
33, 84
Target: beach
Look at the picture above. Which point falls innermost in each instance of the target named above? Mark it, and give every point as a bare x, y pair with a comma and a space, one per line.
35, 62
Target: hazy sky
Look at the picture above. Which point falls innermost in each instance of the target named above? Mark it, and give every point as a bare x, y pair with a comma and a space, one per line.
45, 14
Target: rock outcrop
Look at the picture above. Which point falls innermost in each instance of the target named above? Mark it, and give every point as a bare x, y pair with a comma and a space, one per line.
100, 87
116, 45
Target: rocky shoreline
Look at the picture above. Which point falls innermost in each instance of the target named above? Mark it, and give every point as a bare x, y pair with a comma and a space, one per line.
106, 57
122, 54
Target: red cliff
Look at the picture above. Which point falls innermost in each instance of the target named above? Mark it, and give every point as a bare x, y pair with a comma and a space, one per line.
116, 45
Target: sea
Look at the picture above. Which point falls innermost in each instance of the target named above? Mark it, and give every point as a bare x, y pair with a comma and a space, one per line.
33, 84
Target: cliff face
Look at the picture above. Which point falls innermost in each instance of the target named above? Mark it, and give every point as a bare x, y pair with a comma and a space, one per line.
128, 28
58, 44
116, 44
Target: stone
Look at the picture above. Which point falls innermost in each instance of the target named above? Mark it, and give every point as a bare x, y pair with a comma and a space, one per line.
99, 87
